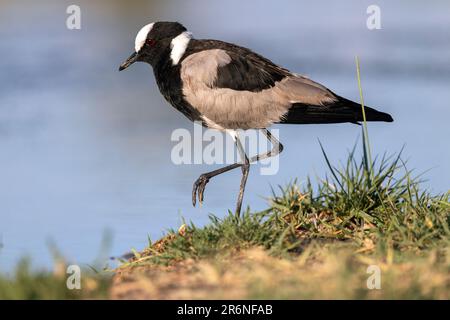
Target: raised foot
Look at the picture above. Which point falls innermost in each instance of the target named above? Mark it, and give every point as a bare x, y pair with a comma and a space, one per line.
199, 188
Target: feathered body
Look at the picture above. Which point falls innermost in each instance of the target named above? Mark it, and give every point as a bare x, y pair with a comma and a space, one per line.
226, 86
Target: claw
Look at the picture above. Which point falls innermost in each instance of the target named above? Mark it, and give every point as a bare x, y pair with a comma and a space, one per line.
199, 188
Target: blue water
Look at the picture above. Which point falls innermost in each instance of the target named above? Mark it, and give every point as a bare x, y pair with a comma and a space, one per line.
85, 150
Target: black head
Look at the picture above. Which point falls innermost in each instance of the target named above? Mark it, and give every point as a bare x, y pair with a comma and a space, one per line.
155, 41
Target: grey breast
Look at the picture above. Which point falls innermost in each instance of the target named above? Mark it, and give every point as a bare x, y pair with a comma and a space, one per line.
223, 108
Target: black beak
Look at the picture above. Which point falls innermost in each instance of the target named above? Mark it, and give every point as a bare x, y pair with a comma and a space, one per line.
131, 59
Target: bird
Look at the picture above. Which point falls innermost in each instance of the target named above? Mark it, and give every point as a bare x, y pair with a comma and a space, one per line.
228, 87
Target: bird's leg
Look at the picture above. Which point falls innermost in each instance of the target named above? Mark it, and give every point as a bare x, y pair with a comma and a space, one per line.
276, 149
245, 170
200, 183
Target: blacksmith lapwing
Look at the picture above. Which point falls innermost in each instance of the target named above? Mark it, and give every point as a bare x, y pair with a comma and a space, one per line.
228, 87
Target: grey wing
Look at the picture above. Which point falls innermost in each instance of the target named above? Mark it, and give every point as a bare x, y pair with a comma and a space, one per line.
244, 92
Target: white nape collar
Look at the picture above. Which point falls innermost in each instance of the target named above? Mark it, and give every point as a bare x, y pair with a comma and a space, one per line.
179, 45
142, 36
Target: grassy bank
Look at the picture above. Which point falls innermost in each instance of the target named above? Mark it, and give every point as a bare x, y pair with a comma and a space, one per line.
312, 242
317, 240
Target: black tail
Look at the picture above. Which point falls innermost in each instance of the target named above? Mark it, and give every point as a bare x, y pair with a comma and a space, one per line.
343, 110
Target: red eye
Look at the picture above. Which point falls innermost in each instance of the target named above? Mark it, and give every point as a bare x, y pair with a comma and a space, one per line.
150, 42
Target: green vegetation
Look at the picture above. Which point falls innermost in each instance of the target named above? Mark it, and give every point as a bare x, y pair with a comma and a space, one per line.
26, 283
383, 212
312, 242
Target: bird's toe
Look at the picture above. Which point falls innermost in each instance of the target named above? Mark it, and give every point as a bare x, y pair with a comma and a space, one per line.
198, 189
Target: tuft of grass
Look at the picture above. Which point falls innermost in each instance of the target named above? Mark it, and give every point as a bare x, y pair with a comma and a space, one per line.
375, 213
313, 242
385, 207
221, 235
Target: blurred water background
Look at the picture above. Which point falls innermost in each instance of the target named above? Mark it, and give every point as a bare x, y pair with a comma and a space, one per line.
86, 150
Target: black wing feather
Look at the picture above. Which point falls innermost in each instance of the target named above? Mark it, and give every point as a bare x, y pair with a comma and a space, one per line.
343, 110
247, 69
243, 73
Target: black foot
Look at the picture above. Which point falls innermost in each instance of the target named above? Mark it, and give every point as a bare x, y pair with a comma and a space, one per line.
199, 187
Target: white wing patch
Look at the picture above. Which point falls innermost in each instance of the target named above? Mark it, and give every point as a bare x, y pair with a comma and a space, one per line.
142, 36
179, 45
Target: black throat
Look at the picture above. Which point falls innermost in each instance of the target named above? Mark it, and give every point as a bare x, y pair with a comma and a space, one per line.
170, 85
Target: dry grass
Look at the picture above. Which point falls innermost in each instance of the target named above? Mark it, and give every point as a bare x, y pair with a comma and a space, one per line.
320, 272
